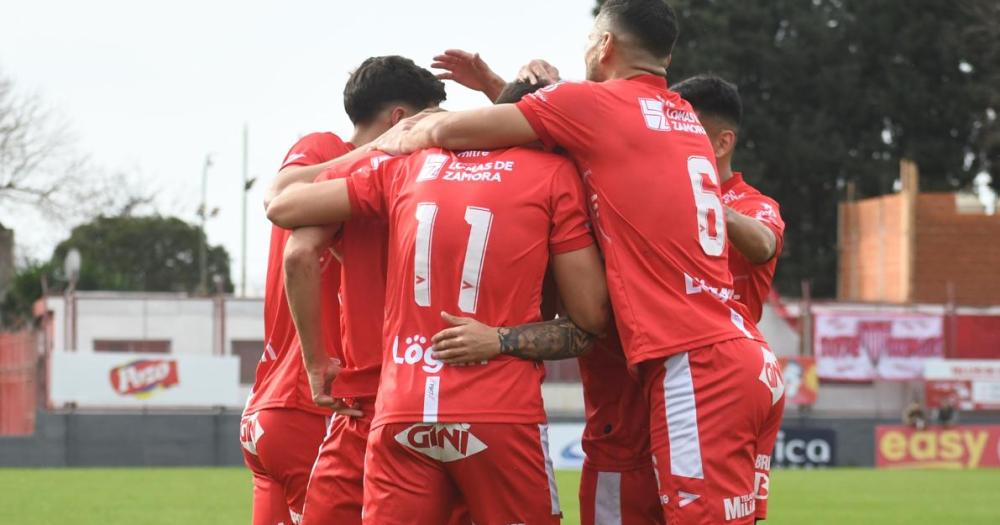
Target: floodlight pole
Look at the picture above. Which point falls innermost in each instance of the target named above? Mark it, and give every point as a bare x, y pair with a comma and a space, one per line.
243, 232
202, 251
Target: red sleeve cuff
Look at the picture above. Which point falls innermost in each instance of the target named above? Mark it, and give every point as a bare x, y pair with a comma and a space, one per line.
572, 244
536, 124
357, 206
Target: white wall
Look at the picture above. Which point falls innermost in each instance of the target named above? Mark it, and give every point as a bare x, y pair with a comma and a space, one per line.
188, 323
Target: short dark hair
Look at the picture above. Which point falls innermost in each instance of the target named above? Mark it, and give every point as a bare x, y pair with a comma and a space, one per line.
712, 96
380, 81
517, 89
653, 22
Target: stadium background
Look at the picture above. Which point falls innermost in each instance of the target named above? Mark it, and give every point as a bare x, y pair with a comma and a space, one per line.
874, 125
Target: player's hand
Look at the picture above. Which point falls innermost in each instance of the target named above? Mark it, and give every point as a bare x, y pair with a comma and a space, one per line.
537, 71
467, 342
394, 140
320, 379
469, 70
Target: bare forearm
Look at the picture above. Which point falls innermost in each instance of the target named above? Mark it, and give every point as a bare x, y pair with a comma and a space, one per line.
750, 237
296, 174
302, 287
497, 126
546, 341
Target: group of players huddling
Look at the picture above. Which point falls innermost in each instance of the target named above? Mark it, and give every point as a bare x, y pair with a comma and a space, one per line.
419, 274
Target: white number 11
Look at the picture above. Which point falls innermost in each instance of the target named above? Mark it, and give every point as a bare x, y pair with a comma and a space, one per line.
479, 220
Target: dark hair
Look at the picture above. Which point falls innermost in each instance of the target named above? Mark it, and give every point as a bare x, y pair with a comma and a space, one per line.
712, 96
517, 89
653, 22
380, 81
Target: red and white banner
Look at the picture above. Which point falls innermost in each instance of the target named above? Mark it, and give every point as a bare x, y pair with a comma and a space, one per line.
967, 383
962, 446
121, 380
801, 381
872, 345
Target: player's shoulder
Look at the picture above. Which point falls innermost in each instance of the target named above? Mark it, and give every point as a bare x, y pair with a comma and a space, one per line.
322, 137
536, 158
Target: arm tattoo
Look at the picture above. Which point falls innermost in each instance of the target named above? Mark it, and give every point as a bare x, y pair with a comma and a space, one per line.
551, 340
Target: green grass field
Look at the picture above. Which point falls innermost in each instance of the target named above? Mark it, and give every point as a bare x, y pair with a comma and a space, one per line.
222, 496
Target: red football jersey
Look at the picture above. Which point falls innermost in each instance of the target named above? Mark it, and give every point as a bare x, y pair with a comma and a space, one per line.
471, 234
650, 171
752, 282
315, 148
281, 380
616, 436
363, 248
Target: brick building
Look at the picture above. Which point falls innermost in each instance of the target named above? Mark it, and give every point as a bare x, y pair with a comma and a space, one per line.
913, 247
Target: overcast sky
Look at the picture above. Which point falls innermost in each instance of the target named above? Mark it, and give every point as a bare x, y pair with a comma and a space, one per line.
151, 87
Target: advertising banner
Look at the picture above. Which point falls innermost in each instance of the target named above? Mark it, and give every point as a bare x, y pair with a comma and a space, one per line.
805, 448
123, 380
961, 446
564, 445
872, 345
801, 381
967, 383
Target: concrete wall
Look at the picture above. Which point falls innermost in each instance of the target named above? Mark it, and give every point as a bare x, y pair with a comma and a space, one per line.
188, 323
188, 439
126, 439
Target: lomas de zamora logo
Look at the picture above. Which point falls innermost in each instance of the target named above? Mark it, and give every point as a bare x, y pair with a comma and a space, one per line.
144, 377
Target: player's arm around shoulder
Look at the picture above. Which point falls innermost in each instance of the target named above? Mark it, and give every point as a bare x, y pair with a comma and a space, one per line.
756, 230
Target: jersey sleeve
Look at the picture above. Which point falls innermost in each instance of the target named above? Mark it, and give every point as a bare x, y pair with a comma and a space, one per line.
313, 148
570, 227
767, 211
563, 114
368, 186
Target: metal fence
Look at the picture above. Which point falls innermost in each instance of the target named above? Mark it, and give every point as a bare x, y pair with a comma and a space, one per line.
18, 387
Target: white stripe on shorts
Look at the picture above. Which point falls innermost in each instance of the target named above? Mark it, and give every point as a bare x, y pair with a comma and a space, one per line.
432, 391
543, 432
682, 418
608, 499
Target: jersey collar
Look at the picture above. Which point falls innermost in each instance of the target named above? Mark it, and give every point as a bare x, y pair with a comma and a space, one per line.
653, 80
733, 181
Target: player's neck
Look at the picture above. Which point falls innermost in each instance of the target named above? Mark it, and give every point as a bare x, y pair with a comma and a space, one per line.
634, 67
363, 134
725, 170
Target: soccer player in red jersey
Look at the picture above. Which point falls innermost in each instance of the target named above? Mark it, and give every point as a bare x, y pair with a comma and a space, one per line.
618, 483
753, 220
714, 391
283, 427
470, 232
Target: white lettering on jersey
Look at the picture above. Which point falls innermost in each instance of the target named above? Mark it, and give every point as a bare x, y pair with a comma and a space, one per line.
432, 167
659, 119
415, 353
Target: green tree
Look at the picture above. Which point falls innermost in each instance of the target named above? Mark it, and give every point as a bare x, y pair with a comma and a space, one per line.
837, 92
25, 288
152, 254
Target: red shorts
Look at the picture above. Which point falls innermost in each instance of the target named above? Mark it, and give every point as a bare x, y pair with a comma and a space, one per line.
335, 486
279, 447
418, 473
620, 497
715, 413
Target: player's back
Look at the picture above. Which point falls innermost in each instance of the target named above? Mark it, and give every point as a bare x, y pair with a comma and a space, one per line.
470, 234
659, 218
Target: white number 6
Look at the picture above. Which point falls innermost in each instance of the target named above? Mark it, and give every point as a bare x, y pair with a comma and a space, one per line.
709, 207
